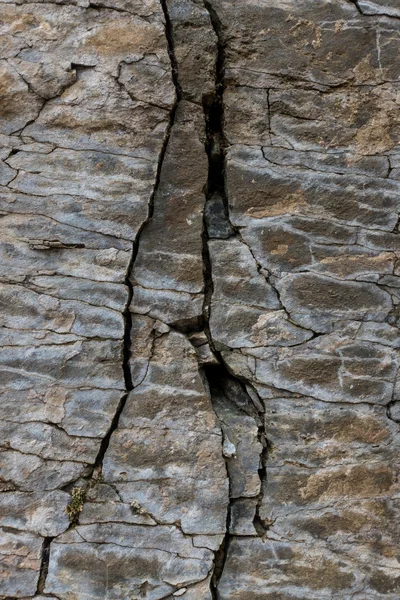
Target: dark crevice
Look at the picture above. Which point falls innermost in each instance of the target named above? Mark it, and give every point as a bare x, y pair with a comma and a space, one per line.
188, 326
223, 385
80, 67
396, 228
215, 376
44, 564
269, 119
216, 210
171, 51
262, 525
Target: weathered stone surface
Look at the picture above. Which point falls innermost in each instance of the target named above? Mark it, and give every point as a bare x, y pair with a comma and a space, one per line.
200, 300
79, 161
379, 7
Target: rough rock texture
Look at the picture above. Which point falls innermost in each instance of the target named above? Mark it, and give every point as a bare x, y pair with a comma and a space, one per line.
200, 300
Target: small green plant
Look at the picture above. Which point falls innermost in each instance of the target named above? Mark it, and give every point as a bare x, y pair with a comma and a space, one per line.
137, 508
75, 506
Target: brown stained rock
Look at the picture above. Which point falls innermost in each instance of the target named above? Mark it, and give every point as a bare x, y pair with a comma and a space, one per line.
284, 571
245, 307
331, 369
19, 104
332, 300
260, 190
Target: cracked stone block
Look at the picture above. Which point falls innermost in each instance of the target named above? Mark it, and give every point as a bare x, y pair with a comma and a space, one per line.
195, 48
245, 307
261, 190
166, 452
20, 105
332, 369
317, 302
285, 572
42, 513
331, 474
125, 559
243, 511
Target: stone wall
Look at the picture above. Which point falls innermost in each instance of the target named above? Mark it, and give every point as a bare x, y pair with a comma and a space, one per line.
200, 300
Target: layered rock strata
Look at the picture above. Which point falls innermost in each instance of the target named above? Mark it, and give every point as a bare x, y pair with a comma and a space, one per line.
200, 296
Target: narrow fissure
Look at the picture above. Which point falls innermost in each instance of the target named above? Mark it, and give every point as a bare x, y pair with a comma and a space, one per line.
127, 317
135, 249
355, 2
260, 524
215, 376
44, 564
216, 221
216, 212
135, 246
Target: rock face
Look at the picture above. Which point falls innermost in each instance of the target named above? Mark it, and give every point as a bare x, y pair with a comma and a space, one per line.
200, 300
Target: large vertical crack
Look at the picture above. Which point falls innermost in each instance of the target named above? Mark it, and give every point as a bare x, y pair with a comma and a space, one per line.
216, 193
260, 524
135, 246
215, 148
